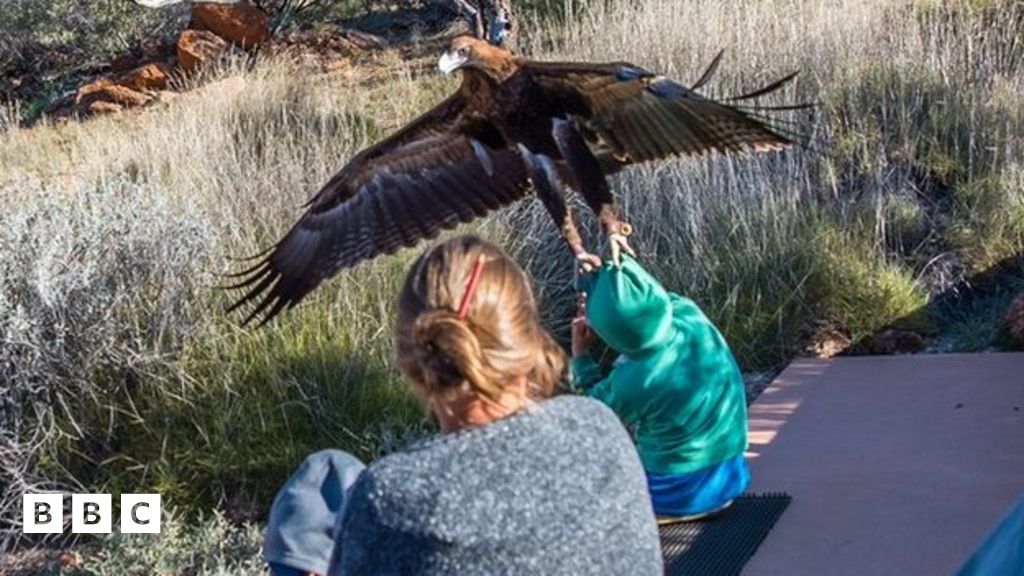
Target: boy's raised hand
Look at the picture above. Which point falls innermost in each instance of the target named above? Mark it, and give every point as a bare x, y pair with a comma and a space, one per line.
582, 335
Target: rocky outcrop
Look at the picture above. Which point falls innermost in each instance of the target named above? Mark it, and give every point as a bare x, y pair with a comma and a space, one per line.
104, 107
152, 76
104, 95
144, 75
197, 47
129, 89
240, 23
125, 96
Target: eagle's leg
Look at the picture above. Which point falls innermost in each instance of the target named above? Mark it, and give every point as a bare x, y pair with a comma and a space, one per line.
549, 189
590, 180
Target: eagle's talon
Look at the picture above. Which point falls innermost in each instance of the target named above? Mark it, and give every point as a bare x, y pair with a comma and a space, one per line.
617, 227
618, 244
588, 261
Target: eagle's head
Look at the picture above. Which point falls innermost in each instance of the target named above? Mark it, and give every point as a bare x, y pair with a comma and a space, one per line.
467, 52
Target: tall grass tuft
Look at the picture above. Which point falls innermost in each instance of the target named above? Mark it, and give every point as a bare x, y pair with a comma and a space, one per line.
119, 368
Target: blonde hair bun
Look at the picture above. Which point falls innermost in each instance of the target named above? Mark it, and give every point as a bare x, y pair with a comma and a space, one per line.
498, 341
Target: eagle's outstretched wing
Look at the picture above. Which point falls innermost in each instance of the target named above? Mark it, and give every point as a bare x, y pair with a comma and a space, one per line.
431, 175
629, 115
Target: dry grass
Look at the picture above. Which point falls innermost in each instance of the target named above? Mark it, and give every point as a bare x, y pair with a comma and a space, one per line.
116, 349
116, 346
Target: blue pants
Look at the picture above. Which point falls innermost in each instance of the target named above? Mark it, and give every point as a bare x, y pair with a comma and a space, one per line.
700, 491
306, 514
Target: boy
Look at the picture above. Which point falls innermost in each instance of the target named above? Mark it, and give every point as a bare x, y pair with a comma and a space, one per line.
675, 383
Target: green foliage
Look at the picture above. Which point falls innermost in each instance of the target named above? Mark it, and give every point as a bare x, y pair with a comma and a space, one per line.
861, 290
77, 33
318, 12
320, 378
988, 220
977, 327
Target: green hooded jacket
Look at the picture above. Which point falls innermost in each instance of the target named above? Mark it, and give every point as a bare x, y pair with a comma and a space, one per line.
676, 381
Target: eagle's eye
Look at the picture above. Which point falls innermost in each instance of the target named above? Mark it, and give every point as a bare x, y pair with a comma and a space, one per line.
463, 52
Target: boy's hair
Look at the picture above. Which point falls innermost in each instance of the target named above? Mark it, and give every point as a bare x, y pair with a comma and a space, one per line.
497, 340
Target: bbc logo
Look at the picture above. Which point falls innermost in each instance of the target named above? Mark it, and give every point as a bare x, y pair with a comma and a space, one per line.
90, 513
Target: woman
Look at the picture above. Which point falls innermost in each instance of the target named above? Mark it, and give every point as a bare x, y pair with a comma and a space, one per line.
517, 483
675, 382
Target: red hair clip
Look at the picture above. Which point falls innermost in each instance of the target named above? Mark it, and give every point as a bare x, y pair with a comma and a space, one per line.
474, 279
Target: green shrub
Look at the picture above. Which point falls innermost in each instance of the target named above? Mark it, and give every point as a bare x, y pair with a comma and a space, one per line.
988, 225
57, 35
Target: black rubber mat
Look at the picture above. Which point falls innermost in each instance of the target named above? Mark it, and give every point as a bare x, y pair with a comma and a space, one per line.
721, 545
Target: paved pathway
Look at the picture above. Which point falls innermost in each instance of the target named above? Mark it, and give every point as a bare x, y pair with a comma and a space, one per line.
897, 465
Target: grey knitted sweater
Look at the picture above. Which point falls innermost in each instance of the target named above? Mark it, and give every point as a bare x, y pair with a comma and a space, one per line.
557, 489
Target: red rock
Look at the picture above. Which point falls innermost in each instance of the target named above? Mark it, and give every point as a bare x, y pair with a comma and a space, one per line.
149, 77
1013, 323
125, 96
104, 107
106, 90
92, 89
196, 47
239, 23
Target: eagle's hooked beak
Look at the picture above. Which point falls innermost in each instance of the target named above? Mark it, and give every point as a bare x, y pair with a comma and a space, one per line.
450, 62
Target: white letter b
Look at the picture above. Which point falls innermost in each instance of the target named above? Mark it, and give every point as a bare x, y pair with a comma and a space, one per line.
91, 513
42, 513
